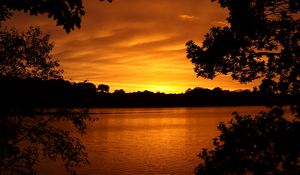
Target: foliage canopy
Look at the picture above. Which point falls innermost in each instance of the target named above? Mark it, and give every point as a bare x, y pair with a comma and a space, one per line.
261, 41
103, 88
28, 135
27, 55
264, 144
66, 13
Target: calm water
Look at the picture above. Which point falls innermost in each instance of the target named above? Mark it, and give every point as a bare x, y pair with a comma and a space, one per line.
150, 140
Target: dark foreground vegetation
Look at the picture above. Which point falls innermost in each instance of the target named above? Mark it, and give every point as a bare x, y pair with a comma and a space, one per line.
28, 133
61, 93
261, 41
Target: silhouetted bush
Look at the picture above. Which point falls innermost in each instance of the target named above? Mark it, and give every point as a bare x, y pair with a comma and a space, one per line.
264, 144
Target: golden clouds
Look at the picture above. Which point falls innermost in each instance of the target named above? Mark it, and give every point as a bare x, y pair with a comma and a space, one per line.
135, 45
187, 17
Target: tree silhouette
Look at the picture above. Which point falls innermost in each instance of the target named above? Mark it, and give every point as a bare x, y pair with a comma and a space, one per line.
261, 41
264, 144
119, 92
86, 88
103, 88
66, 13
27, 55
27, 135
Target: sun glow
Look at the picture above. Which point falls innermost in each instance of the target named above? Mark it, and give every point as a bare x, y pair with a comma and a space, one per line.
162, 88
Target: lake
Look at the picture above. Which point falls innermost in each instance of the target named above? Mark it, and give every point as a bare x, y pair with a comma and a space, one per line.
150, 140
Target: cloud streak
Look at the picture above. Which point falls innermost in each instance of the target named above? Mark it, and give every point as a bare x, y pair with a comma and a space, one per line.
187, 17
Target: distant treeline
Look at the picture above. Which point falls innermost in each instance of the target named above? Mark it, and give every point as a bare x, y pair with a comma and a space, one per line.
62, 93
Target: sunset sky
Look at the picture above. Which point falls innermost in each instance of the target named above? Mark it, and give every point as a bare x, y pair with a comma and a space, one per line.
134, 45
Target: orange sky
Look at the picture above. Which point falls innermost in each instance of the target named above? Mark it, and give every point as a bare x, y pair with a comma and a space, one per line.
134, 45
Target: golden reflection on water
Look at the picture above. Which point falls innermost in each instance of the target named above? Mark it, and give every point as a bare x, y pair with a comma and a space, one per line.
152, 140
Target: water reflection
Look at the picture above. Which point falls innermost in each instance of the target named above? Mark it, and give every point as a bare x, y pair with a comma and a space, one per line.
152, 140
